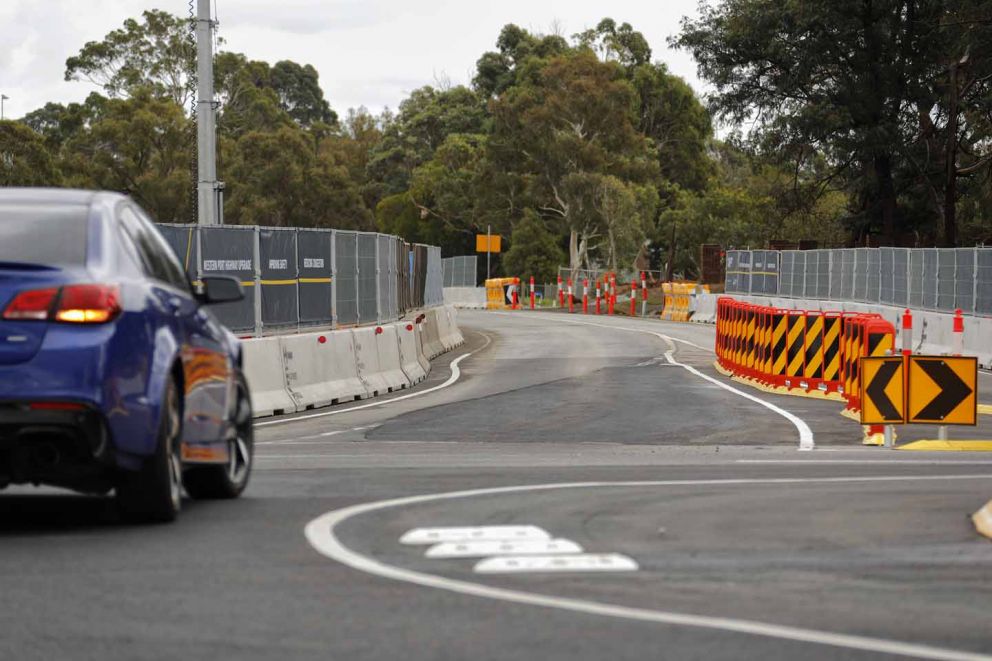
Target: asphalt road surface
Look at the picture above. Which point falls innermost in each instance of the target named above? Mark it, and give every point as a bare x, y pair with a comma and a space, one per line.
615, 435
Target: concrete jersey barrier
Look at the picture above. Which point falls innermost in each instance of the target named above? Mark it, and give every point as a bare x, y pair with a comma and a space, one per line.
321, 373
367, 356
264, 369
390, 363
407, 341
432, 338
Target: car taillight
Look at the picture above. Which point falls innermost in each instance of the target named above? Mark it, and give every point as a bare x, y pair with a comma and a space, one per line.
35, 305
88, 304
72, 304
56, 406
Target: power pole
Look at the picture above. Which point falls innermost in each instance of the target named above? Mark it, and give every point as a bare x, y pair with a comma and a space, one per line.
209, 189
3, 97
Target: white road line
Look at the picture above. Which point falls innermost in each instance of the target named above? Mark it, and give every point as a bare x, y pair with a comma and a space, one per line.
320, 534
455, 375
805, 433
582, 562
487, 548
475, 533
890, 462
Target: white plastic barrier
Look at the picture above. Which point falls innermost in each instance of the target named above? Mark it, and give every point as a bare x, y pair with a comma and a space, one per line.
704, 310
263, 366
390, 364
320, 373
407, 340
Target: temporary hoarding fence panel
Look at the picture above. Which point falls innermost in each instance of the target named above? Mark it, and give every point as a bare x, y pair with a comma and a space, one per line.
279, 282
316, 290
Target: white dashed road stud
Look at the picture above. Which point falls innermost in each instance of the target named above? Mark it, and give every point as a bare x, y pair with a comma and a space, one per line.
469, 533
585, 562
482, 549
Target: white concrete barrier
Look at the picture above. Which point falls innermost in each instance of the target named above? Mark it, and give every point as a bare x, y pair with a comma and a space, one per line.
444, 333
407, 337
266, 375
456, 334
465, 297
432, 338
321, 373
420, 329
704, 308
390, 363
367, 356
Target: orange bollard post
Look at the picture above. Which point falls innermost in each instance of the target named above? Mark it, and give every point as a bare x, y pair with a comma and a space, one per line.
598, 296
561, 294
633, 297
531, 292
585, 296
571, 300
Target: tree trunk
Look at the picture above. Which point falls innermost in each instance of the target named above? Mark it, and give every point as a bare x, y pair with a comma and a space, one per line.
951, 162
886, 196
574, 257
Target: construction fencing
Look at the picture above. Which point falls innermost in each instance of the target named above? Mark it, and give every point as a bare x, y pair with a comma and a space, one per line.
942, 279
460, 271
295, 278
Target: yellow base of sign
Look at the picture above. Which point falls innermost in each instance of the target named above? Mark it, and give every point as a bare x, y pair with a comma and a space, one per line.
949, 446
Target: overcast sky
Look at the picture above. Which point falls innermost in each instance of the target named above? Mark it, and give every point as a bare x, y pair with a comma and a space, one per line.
368, 52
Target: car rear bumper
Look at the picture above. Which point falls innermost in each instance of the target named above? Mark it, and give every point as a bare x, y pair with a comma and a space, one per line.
69, 448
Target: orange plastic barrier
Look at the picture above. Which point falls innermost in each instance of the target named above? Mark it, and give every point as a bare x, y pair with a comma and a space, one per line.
807, 350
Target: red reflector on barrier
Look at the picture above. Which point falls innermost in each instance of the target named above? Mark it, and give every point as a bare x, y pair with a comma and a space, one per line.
409, 327
321, 339
378, 330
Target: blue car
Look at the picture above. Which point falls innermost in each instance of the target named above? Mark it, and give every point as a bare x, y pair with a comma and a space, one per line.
114, 372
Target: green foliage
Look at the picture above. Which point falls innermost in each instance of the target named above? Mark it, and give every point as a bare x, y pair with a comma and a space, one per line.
155, 53
534, 250
24, 158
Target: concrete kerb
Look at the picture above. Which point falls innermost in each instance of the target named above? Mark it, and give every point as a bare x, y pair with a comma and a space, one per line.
367, 357
390, 363
264, 369
321, 373
408, 340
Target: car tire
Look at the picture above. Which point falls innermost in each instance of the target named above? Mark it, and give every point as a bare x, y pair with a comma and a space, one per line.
154, 493
230, 479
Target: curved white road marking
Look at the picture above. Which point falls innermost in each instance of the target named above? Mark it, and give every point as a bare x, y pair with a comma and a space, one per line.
456, 374
320, 533
805, 433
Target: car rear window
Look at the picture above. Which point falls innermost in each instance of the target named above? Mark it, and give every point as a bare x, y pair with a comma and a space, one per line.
49, 234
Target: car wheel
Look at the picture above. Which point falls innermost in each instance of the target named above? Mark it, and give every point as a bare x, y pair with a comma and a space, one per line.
229, 480
154, 493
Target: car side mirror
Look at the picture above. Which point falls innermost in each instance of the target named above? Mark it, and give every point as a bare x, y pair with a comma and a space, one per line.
219, 289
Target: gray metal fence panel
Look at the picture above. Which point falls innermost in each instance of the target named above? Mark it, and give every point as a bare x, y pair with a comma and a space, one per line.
798, 273
757, 271
861, 274
732, 283
745, 259
836, 287
946, 268
916, 281
874, 275
316, 289
231, 251
823, 274
900, 276
182, 240
773, 259
346, 277
885, 275
964, 279
434, 287
847, 275
787, 262
280, 277
368, 309
930, 285
983, 281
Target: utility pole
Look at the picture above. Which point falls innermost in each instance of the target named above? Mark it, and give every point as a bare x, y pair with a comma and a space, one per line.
3, 97
209, 190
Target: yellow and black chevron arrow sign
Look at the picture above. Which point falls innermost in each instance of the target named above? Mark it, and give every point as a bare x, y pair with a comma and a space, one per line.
883, 393
943, 390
